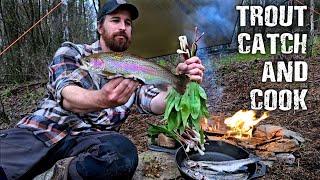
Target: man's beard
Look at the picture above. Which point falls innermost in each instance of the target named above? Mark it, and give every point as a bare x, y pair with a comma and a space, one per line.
116, 45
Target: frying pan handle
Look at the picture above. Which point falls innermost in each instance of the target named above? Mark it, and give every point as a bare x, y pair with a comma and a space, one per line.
261, 171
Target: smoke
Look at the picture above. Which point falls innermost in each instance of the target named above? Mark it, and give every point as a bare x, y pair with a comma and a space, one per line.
213, 90
217, 19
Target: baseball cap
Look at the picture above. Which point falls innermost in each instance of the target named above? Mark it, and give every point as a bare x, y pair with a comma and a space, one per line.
111, 5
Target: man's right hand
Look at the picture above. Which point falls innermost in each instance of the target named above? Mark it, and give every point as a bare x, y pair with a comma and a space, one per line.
117, 91
114, 93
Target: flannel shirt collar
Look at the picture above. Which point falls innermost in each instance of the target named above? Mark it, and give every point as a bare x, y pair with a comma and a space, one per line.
96, 47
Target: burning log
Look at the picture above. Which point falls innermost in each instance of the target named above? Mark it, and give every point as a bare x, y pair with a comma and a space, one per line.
271, 143
215, 125
229, 140
242, 123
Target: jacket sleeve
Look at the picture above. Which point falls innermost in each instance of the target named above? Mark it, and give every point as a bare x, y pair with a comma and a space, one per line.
144, 96
64, 70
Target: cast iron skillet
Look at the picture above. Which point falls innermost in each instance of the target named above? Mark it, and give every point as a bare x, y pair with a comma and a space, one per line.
220, 151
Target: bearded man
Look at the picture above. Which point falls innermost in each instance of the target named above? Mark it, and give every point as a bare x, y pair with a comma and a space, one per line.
79, 118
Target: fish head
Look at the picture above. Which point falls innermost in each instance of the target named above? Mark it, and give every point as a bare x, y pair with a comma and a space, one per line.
191, 164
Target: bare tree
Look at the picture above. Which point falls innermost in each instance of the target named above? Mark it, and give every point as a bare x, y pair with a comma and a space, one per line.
3, 116
311, 32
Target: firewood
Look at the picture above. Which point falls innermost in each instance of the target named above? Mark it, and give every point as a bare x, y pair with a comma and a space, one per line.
250, 143
216, 138
269, 141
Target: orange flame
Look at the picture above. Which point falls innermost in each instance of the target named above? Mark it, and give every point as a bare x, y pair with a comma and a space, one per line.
241, 123
214, 125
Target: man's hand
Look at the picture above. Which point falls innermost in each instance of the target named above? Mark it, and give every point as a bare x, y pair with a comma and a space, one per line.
115, 93
193, 68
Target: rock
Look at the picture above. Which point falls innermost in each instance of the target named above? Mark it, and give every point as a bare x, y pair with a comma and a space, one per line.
156, 165
251, 143
166, 141
282, 145
267, 131
270, 131
287, 158
266, 155
57, 172
268, 163
46, 175
294, 135
152, 165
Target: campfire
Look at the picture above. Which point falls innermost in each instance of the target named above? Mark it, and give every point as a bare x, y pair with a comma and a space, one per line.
270, 142
242, 123
223, 158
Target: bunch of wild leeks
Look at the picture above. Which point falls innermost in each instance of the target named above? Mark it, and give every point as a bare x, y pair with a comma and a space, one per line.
183, 112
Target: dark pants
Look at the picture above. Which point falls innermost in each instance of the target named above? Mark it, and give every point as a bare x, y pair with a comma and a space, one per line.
98, 155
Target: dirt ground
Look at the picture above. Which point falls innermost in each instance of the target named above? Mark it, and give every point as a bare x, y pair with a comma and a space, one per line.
229, 94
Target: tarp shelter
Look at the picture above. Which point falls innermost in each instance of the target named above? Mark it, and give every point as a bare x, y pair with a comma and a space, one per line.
160, 23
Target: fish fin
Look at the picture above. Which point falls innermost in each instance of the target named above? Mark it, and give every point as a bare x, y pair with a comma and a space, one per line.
133, 77
108, 75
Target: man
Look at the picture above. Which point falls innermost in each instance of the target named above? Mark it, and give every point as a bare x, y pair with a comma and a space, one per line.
78, 118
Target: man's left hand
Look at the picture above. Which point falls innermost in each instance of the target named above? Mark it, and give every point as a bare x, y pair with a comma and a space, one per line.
193, 68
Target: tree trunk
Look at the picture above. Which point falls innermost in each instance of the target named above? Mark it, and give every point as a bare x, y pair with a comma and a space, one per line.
311, 33
3, 116
65, 22
3, 22
95, 7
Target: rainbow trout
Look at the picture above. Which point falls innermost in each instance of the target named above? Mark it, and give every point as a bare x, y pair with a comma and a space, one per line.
204, 174
113, 64
222, 166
